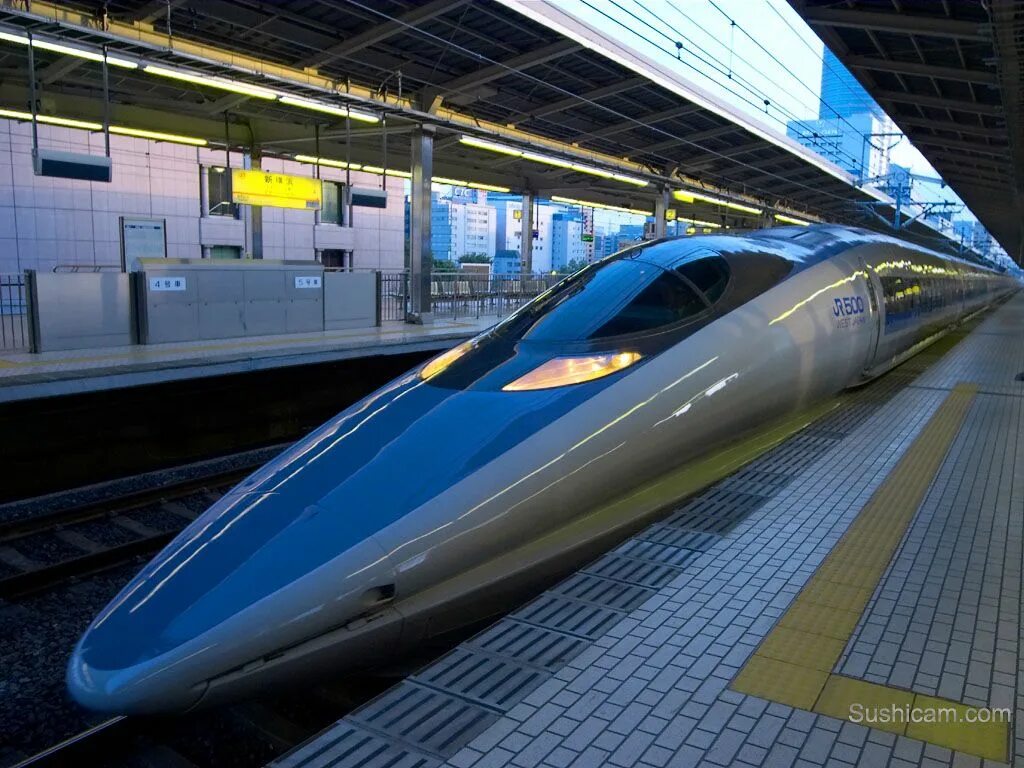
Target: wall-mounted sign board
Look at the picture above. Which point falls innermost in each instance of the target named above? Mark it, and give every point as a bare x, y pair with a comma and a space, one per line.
142, 238
168, 283
368, 197
71, 165
275, 190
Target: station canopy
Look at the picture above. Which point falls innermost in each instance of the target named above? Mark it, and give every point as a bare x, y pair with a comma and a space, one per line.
521, 95
949, 74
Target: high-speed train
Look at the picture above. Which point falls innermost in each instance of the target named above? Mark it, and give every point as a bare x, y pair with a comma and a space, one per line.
513, 458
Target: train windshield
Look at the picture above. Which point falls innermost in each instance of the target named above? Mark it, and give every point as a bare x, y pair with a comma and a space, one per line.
617, 298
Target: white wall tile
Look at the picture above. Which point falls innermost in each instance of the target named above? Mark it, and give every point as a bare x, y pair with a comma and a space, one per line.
46, 221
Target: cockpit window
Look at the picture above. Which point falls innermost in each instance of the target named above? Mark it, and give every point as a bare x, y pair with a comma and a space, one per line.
709, 275
612, 299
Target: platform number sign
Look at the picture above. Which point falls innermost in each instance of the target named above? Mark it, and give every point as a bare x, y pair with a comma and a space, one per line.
167, 284
307, 281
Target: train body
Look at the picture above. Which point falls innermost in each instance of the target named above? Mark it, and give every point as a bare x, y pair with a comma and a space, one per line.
473, 480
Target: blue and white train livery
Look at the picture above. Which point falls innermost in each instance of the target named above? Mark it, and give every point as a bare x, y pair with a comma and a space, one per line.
488, 471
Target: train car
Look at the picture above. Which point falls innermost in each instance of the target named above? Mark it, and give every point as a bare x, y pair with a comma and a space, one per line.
513, 458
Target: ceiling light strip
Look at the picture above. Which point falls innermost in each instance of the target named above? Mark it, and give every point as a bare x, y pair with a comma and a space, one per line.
88, 125
67, 50
330, 109
211, 81
602, 206
699, 222
792, 220
331, 163
536, 157
689, 196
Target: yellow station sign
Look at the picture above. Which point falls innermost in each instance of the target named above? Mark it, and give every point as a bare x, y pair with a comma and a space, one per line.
277, 190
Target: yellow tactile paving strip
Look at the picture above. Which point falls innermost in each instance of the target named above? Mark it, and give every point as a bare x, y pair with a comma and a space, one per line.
794, 663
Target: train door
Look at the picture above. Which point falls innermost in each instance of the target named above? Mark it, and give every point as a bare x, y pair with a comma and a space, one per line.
875, 299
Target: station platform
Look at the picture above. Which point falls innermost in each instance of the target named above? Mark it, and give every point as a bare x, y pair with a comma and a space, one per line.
868, 567
25, 376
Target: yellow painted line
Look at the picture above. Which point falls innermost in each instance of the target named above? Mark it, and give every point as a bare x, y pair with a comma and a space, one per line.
794, 663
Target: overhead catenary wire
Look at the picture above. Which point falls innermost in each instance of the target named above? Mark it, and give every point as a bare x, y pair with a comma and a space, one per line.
816, 191
731, 74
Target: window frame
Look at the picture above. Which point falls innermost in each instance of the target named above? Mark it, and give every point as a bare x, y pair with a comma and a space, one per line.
223, 174
634, 336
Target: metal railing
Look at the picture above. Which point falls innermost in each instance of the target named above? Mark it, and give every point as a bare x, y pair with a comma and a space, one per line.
13, 313
459, 294
394, 295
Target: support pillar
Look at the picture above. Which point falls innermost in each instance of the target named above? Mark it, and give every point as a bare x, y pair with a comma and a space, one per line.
526, 241
253, 214
204, 203
421, 255
660, 213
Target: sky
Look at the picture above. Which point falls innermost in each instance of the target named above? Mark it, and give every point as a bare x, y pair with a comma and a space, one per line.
746, 52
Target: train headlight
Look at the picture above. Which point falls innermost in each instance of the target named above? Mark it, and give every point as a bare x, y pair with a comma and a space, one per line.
562, 371
442, 361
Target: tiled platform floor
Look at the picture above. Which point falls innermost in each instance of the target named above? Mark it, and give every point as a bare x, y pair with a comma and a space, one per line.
25, 376
632, 660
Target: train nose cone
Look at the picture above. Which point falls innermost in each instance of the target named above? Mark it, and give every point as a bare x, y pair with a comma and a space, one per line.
124, 691
291, 552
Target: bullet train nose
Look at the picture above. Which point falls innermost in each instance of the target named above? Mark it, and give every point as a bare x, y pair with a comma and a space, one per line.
290, 553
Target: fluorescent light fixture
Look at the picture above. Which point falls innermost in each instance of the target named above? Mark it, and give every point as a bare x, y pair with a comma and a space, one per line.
65, 122
488, 187
88, 125
536, 157
390, 171
688, 196
158, 136
592, 171
327, 161
491, 146
330, 109
533, 156
602, 206
700, 223
68, 50
115, 61
629, 180
235, 86
792, 220
374, 169
470, 184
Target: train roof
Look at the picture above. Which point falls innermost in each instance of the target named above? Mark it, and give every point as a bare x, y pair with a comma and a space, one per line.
805, 246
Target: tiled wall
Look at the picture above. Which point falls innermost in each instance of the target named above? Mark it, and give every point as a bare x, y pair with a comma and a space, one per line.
45, 221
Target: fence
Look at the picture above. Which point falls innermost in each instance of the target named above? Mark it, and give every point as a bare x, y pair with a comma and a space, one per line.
458, 294
13, 313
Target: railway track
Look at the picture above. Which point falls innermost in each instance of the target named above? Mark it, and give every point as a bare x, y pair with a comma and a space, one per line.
247, 734
45, 550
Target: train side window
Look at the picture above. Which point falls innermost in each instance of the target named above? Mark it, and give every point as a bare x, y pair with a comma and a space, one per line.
709, 275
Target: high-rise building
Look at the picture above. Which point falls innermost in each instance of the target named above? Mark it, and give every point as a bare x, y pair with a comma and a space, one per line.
567, 244
461, 226
850, 128
841, 94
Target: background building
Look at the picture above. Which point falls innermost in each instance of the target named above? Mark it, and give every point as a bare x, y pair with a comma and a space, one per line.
461, 224
850, 129
567, 246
